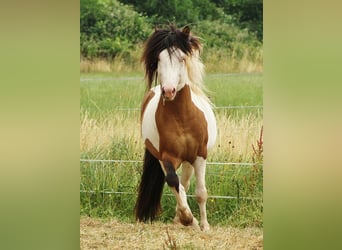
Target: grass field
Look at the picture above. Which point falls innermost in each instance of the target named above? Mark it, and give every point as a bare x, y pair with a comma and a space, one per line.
110, 129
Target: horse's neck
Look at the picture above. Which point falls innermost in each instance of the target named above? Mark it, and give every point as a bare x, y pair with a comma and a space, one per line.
182, 101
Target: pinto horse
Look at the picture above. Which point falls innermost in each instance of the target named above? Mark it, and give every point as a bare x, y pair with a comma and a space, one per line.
178, 125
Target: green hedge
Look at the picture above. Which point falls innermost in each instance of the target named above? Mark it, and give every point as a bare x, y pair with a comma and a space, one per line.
110, 28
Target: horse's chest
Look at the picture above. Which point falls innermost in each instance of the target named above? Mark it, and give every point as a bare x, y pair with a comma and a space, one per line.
178, 128
184, 136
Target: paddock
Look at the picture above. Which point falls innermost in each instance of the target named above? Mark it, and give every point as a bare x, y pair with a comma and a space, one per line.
111, 150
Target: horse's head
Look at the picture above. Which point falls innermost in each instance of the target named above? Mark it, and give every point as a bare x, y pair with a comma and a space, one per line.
172, 73
164, 57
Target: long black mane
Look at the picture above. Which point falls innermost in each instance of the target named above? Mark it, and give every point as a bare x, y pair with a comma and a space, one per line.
166, 39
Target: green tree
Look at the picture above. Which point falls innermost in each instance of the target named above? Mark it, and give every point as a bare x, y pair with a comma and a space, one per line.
109, 28
246, 13
179, 11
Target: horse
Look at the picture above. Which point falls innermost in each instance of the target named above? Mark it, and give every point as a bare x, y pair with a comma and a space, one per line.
178, 125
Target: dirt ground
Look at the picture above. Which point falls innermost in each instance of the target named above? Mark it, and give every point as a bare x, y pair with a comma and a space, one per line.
112, 234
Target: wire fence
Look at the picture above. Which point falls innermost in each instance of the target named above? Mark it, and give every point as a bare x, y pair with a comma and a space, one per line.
237, 164
188, 195
140, 161
108, 192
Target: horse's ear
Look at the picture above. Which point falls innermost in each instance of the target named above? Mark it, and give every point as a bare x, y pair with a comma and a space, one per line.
186, 30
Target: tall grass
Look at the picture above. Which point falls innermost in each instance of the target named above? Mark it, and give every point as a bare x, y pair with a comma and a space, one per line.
109, 131
121, 63
239, 59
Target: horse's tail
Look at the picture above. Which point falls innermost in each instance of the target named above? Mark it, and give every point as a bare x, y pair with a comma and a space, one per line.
151, 186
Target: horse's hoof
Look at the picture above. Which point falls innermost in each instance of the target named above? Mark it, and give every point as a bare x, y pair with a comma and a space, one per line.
205, 227
185, 217
187, 221
195, 224
176, 220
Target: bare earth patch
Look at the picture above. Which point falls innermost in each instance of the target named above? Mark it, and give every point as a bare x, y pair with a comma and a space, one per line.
112, 234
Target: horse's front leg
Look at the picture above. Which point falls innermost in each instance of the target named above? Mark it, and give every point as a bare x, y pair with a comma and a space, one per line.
187, 171
201, 191
183, 212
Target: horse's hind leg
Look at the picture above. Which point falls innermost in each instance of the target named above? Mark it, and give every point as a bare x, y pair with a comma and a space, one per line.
201, 191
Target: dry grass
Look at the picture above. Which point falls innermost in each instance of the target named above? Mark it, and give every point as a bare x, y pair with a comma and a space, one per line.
98, 135
234, 142
104, 66
216, 64
215, 60
235, 137
97, 65
222, 60
111, 234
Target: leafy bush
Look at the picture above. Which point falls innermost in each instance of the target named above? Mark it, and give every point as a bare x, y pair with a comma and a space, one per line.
223, 34
245, 14
180, 11
113, 32
109, 28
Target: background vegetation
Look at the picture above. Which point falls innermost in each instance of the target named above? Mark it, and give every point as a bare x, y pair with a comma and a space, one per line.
113, 32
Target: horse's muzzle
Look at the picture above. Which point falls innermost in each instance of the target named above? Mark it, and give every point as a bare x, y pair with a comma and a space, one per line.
168, 93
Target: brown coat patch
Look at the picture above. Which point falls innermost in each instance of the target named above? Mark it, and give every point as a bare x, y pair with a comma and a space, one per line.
152, 149
182, 129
